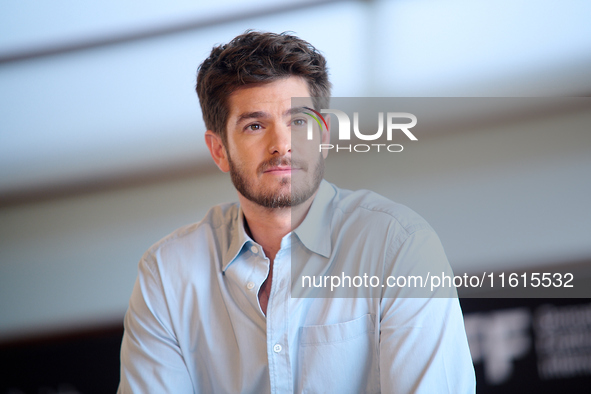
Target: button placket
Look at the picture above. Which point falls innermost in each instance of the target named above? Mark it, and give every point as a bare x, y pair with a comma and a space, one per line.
278, 325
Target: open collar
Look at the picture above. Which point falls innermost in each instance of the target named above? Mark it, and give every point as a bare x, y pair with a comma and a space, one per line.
314, 232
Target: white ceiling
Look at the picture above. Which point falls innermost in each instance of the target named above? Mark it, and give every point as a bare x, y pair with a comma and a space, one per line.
130, 108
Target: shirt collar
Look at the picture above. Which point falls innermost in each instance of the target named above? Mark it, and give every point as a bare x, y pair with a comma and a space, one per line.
315, 231
238, 238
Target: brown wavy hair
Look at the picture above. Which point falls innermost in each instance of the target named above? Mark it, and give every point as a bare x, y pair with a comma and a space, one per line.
255, 58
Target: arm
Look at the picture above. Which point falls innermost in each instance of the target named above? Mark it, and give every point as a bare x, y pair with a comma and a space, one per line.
151, 360
423, 345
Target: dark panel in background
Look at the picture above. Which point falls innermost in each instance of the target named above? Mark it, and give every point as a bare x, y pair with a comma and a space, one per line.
82, 362
530, 345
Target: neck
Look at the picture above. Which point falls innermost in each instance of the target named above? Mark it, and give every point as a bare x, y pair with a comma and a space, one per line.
268, 226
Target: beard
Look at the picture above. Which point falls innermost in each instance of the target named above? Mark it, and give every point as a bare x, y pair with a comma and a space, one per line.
278, 197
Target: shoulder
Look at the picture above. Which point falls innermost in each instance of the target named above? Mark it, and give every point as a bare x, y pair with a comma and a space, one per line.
368, 206
218, 217
197, 242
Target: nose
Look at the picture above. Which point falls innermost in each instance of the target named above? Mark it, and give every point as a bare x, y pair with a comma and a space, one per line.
280, 140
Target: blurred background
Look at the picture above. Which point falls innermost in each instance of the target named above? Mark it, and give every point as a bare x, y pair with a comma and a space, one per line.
102, 154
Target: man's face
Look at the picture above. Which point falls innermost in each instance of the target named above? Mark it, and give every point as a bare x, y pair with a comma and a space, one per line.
270, 160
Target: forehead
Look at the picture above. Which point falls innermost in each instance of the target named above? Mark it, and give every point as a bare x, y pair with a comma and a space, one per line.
268, 97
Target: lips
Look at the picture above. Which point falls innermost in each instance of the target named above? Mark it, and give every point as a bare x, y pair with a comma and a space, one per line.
280, 165
278, 169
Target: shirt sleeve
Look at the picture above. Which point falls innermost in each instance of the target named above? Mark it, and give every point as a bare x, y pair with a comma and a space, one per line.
151, 359
423, 345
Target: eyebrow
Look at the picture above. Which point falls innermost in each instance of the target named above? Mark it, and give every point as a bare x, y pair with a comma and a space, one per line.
264, 115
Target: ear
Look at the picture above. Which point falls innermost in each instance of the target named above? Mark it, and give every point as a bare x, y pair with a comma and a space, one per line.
217, 150
326, 137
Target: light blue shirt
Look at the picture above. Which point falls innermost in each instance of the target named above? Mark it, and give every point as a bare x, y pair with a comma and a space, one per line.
194, 323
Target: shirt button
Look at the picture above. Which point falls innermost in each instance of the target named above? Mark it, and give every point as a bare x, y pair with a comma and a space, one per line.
250, 285
254, 249
277, 348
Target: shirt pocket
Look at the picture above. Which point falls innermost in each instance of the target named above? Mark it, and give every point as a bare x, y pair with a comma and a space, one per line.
339, 357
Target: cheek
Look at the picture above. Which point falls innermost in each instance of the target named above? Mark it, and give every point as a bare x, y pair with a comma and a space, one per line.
303, 147
247, 163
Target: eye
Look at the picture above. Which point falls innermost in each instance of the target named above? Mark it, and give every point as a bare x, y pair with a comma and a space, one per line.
299, 122
253, 127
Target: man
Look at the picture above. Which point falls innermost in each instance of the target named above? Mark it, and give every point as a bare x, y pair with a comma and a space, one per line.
212, 309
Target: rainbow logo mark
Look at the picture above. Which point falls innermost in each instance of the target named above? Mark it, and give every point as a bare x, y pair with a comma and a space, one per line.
316, 117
